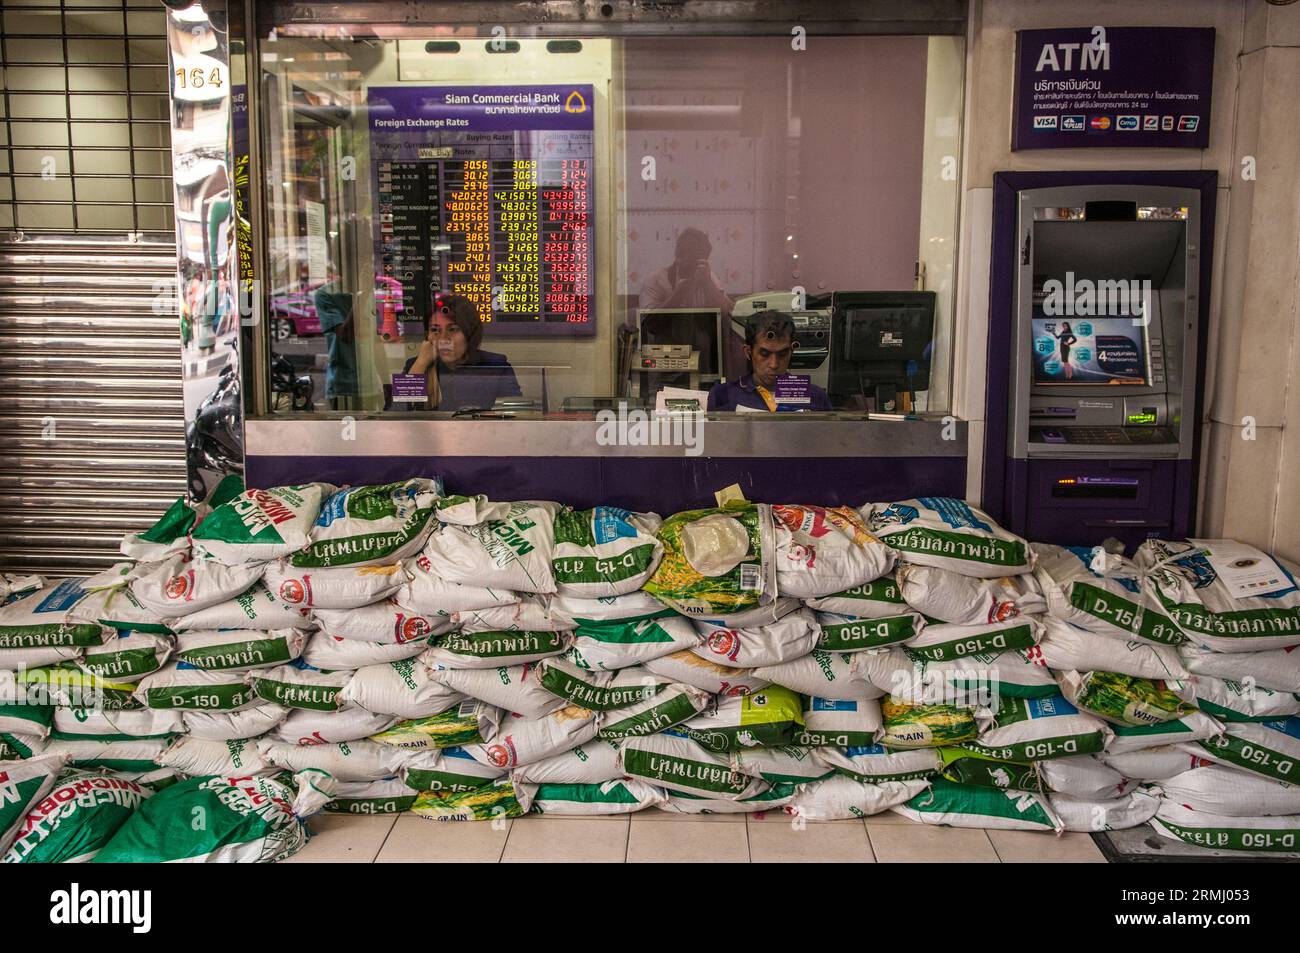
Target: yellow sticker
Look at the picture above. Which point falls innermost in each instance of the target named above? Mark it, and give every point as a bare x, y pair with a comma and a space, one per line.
730, 494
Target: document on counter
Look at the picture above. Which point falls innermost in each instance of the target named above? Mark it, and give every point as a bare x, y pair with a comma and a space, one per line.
679, 400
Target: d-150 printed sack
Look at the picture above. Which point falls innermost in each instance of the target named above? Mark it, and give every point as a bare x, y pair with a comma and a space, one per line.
605, 551
1102, 593
948, 533
1272, 834
371, 525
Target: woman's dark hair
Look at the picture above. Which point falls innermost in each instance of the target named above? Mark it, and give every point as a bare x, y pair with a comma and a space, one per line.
465, 313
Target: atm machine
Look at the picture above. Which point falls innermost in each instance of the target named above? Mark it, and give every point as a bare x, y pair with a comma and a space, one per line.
1103, 364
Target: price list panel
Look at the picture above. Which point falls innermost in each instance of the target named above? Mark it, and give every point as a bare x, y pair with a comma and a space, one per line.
505, 217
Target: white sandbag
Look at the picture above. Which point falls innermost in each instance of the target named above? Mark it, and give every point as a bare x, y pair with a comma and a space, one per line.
1215, 789
874, 764
425, 592
514, 688
1101, 592
846, 633
123, 755
1151, 764
529, 613
341, 587
1083, 777
239, 649
842, 798
299, 685
383, 621
690, 669
672, 761
950, 534
178, 585
605, 551
592, 763
877, 599
772, 798
791, 637
840, 723
332, 654
672, 705
975, 680
1092, 815
13, 660
177, 685
127, 658
638, 604
1233, 701
975, 805
1276, 669
371, 525
781, 764
14, 586
233, 725
446, 769
610, 646
512, 545
133, 723
260, 525
839, 675
256, 608
22, 786
348, 761
1193, 727
228, 759
599, 691
350, 723
1219, 832
952, 597
1192, 595
820, 551
1067, 647
405, 689
47, 618
520, 741
1267, 748
493, 649
116, 606
372, 798
1038, 729
945, 642
622, 796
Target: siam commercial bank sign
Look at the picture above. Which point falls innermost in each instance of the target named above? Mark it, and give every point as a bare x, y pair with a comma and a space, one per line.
1109, 87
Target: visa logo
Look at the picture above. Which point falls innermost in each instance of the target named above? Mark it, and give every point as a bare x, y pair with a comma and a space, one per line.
1072, 123
1188, 123
1044, 122
1126, 123
1100, 122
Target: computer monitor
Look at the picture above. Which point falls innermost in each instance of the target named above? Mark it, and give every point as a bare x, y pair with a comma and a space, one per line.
701, 328
881, 342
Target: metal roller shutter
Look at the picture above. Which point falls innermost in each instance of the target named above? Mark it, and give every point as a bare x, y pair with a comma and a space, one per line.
92, 429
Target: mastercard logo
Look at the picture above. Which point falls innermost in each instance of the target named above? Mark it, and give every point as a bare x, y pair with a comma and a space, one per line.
1100, 122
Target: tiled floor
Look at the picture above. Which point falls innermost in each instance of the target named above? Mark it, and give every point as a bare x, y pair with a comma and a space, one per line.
653, 835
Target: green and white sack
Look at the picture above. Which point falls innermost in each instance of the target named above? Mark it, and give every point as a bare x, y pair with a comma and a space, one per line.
1215, 789
255, 608
513, 688
775, 797
169, 535
426, 592
820, 551
1277, 669
840, 722
1123, 699
180, 585
1039, 729
371, 525
303, 726
385, 622
878, 599
1090, 816
1193, 727
178, 685
92, 724
1190, 593
330, 653
976, 680
510, 544
973, 805
622, 796
671, 760
247, 820
946, 642
841, 798
496, 800
1270, 749
520, 741
839, 675
12, 660
118, 607
605, 551
846, 633
1065, 647
610, 646
69, 686
592, 763
300, 686
948, 533
963, 766
47, 618
406, 689
469, 723
1152, 764
791, 637
629, 607
673, 704
75, 820
340, 587
233, 725
449, 770
529, 613
929, 726
599, 691
20, 747
765, 718
784, 764
1083, 777
948, 596
260, 525
689, 669
23, 785
494, 649
1233, 701
230, 759
347, 761
1217, 832
128, 658
131, 755
386, 796
239, 649
1102, 593
23, 719
717, 563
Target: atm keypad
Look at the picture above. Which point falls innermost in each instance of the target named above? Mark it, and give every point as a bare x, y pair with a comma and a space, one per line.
1102, 436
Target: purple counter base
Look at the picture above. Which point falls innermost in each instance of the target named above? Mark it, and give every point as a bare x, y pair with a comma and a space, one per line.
662, 485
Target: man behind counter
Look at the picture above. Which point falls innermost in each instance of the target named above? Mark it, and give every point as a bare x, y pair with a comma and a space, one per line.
769, 345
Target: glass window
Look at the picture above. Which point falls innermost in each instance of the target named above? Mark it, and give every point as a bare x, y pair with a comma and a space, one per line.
460, 223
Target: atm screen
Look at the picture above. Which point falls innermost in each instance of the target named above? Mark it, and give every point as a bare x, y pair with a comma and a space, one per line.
1089, 351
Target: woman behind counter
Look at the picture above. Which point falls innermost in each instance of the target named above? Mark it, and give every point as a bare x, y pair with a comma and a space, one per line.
459, 375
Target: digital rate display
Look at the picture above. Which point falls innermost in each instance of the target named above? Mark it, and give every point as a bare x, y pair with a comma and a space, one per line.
487, 192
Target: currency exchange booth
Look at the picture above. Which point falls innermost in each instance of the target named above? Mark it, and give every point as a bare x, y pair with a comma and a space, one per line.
517, 245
